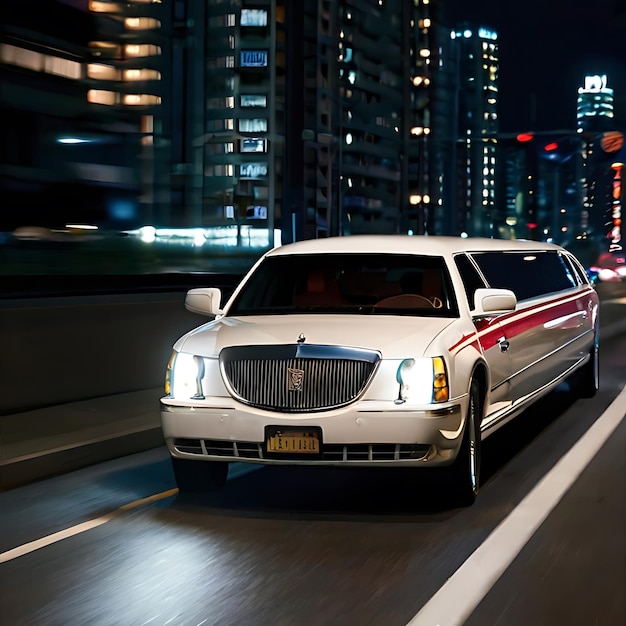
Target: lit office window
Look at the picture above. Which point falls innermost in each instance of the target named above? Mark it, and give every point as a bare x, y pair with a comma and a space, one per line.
61, 67
253, 17
28, 59
141, 23
253, 145
98, 71
102, 6
99, 96
253, 171
253, 101
254, 58
142, 50
141, 99
256, 125
141, 74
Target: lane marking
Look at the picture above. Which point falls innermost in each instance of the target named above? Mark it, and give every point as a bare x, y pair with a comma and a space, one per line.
80, 528
466, 588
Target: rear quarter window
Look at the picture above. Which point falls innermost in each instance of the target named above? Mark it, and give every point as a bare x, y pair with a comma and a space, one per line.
528, 274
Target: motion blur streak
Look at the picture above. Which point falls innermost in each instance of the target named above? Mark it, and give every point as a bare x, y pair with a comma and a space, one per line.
80, 528
463, 591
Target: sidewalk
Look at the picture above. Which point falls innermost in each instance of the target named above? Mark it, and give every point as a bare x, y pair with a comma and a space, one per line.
57, 439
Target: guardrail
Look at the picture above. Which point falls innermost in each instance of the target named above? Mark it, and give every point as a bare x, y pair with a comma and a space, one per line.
115, 337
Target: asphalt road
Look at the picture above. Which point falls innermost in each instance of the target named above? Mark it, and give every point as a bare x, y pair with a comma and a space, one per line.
316, 546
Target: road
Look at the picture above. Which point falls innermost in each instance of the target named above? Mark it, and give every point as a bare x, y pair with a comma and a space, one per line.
316, 546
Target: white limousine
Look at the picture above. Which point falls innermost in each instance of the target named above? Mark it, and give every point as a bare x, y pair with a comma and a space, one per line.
380, 350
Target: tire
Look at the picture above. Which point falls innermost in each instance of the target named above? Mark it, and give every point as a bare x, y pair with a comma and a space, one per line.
199, 476
465, 471
587, 379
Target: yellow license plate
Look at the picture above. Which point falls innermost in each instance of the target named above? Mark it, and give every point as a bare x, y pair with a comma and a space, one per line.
294, 442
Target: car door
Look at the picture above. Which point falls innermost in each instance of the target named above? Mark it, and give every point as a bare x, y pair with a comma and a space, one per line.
541, 334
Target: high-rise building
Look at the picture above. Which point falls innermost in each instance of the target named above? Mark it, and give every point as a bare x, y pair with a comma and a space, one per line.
475, 129
594, 106
602, 146
309, 117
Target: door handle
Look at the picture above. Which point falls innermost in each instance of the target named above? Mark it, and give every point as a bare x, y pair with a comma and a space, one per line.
504, 344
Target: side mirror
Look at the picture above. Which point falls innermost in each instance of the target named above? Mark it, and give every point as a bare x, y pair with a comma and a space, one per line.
204, 301
493, 301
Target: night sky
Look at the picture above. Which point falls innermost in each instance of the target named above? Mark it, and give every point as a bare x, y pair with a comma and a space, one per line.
546, 49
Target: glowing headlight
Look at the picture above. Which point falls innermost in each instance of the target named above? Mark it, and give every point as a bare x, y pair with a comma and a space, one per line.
183, 378
422, 381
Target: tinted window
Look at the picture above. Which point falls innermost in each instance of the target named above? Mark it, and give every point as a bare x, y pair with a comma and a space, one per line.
527, 274
577, 268
470, 277
348, 283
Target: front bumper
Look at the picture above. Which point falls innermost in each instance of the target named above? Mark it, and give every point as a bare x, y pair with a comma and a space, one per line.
364, 434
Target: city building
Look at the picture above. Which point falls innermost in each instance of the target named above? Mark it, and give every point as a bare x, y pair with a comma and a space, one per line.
311, 119
69, 146
475, 131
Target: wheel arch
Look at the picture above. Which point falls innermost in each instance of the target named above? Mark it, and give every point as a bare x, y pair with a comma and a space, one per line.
481, 376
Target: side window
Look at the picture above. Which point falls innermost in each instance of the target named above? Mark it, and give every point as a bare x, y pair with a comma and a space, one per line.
528, 274
577, 268
470, 277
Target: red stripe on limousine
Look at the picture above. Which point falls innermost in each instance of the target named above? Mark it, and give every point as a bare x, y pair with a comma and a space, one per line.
490, 329
513, 324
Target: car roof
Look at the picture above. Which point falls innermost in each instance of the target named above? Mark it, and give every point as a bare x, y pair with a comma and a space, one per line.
429, 245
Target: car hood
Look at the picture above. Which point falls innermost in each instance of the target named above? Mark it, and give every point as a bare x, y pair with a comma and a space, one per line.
392, 336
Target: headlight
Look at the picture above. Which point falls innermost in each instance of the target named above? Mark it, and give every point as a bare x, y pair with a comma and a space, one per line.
422, 381
183, 378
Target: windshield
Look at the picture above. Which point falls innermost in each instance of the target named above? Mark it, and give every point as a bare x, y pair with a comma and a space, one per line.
382, 284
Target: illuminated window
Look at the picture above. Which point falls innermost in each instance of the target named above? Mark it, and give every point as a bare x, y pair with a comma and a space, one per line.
253, 17
147, 124
141, 23
257, 125
99, 96
253, 170
253, 101
141, 74
62, 67
254, 58
102, 6
253, 145
21, 56
142, 50
143, 99
98, 71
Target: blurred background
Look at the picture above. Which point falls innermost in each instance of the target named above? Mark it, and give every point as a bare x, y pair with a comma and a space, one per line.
147, 136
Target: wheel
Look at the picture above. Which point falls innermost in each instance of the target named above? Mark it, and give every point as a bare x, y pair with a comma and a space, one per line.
466, 468
587, 379
199, 476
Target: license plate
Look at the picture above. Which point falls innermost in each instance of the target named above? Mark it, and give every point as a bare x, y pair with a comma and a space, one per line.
294, 442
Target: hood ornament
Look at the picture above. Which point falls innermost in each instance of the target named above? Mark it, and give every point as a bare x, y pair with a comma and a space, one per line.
301, 338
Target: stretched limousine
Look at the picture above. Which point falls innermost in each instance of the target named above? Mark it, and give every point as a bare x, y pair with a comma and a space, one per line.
377, 351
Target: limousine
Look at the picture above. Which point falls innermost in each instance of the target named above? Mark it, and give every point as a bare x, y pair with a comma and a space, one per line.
377, 350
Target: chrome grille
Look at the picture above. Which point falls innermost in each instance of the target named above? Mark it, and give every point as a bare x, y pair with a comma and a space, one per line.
331, 453
299, 378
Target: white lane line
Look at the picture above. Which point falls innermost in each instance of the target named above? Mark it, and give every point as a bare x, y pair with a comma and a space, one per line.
80, 528
464, 590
